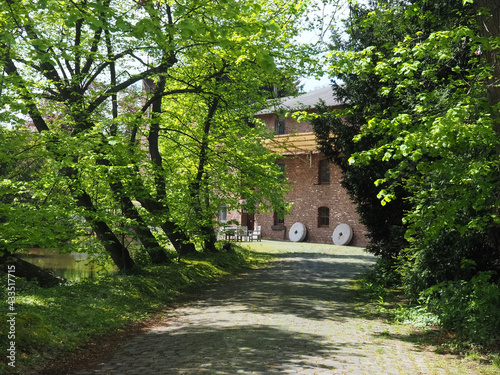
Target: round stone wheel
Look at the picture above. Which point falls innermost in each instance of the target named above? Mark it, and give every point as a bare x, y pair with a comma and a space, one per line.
297, 232
342, 235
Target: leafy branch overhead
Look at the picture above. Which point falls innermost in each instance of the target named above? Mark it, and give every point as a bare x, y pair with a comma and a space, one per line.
76, 69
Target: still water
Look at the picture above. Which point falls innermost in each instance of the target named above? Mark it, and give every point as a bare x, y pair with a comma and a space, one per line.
70, 266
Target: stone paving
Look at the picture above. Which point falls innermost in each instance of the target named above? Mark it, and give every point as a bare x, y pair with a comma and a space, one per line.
295, 316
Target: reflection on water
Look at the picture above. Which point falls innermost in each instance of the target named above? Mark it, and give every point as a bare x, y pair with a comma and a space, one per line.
70, 266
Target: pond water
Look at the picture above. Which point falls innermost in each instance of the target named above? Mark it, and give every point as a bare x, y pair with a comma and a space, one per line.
70, 266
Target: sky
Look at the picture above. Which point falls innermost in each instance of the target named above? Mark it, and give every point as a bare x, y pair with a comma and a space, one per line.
310, 83
329, 12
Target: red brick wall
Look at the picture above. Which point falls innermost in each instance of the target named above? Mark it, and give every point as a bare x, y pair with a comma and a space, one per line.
291, 126
307, 196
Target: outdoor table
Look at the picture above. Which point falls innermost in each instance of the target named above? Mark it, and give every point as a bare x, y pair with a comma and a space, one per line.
237, 232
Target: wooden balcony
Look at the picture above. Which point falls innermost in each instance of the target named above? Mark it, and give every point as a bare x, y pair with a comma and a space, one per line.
296, 143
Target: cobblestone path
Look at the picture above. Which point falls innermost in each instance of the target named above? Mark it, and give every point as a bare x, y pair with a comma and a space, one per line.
296, 316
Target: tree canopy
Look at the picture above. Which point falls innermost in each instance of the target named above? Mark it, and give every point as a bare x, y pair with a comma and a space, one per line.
180, 145
423, 132
419, 140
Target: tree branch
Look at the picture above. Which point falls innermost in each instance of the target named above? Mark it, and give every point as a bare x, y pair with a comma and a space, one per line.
10, 68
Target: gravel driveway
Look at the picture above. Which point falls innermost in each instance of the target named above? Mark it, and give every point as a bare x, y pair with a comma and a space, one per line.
296, 316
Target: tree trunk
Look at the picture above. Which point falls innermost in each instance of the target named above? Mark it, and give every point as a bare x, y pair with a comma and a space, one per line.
151, 245
489, 26
176, 235
210, 240
148, 240
45, 278
208, 233
119, 253
181, 243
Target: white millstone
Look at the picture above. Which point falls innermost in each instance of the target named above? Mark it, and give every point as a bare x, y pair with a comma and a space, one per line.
342, 235
297, 232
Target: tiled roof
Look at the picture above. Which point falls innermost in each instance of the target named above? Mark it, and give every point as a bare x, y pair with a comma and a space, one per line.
302, 102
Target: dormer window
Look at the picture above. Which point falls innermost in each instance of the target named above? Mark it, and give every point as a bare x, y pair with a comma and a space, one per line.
279, 126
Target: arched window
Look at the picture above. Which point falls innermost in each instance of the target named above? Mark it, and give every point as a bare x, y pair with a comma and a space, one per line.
324, 172
323, 217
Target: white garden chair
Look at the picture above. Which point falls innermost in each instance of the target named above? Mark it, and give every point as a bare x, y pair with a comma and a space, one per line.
256, 234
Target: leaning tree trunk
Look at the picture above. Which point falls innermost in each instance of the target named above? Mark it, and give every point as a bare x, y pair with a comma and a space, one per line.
119, 253
148, 240
112, 245
175, 234
180, 242
45, 278
151, 245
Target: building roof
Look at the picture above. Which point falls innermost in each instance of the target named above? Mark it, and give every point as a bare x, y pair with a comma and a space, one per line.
303, 102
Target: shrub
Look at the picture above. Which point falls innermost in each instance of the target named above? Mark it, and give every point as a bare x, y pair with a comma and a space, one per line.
383, 273
417, 316
470, 309
450, 256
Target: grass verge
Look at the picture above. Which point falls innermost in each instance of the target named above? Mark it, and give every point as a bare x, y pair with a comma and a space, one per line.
53, 323
390, 304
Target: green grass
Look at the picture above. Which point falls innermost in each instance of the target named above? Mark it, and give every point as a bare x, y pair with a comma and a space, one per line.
420, 326
55, 321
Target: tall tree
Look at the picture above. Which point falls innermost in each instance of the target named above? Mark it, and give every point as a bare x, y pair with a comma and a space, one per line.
361, 97
430, 131
78, 58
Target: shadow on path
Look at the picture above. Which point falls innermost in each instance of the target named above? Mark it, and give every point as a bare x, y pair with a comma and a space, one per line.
298, 315
312, 286
228, 350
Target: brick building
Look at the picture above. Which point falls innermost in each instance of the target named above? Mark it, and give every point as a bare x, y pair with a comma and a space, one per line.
321, 206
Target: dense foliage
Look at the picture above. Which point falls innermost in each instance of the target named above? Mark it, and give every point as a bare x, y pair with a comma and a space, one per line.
420, 136
128, 159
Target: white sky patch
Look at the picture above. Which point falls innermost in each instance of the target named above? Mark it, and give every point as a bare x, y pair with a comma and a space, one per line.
328, 14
